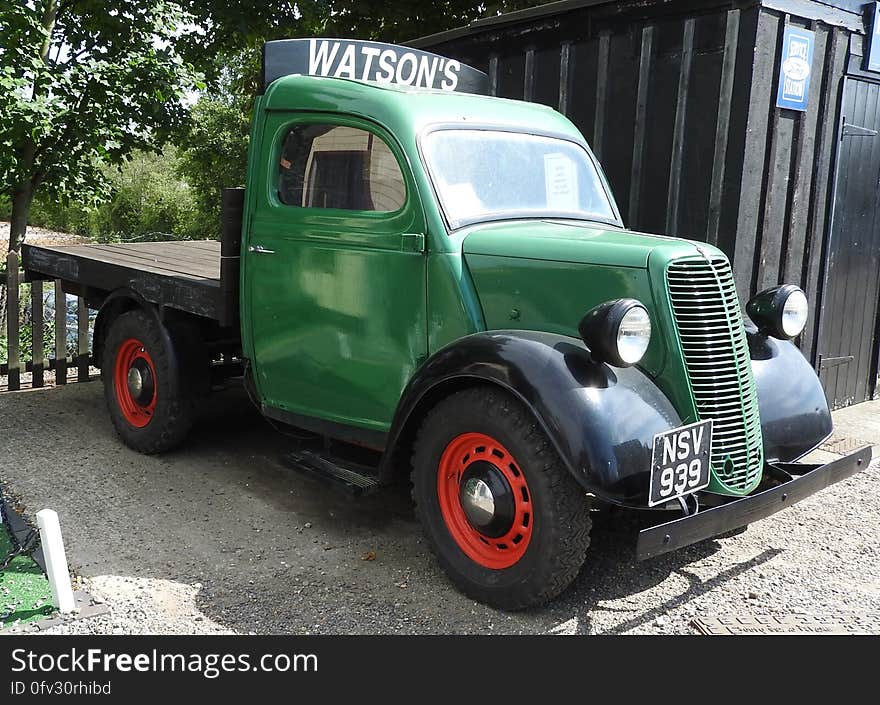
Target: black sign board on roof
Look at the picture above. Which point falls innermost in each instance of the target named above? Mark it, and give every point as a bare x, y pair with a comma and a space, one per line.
369, 61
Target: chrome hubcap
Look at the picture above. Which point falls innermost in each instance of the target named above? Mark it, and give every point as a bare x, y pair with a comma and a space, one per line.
478, 502
140, 382
486, 499
135, 382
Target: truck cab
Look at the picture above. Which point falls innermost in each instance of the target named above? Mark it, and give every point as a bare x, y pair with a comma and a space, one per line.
444, 279
359, 204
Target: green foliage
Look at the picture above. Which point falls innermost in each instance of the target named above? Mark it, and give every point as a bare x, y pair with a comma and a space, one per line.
213, 149
84, 84
148, 201
55, 215
235, 25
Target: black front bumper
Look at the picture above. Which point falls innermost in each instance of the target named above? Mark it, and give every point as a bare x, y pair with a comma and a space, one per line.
796, 481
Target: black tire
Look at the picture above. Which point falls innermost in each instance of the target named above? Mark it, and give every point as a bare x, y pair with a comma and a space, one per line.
172, 358
560, 533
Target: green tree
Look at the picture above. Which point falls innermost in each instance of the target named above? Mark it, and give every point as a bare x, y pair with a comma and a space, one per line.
213, 144
148, 201
234, 25
84, 84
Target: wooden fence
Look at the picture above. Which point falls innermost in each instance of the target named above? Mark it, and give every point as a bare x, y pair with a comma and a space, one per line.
34, 344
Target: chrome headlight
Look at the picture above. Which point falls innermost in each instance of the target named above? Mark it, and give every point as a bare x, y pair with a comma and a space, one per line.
617, 332
781, 311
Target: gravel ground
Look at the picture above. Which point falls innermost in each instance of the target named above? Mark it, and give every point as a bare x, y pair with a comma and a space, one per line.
38, 236
220, 536
142, 606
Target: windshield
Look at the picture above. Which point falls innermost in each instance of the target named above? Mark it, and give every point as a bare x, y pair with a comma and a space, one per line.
493, 175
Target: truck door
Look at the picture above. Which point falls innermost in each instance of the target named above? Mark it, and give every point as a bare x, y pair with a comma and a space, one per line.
335, 271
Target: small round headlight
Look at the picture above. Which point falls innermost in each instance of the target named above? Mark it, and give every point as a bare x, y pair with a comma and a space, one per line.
794, 313
781, 311
633, 335
617, 332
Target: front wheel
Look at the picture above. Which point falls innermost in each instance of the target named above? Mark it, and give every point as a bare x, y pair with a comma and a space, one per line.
508, 523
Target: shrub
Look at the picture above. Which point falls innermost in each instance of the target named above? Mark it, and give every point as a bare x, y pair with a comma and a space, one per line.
213, 155
148, 201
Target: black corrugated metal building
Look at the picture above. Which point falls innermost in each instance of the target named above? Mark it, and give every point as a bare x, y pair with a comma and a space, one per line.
679, 100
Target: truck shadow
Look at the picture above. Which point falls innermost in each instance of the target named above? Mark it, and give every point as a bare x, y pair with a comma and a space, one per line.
270, 477
277, 551
612, 572
404, 578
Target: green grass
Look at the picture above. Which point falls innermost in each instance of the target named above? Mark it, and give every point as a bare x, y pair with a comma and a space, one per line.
25, 595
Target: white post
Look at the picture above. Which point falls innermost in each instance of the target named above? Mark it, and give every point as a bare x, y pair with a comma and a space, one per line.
56, 560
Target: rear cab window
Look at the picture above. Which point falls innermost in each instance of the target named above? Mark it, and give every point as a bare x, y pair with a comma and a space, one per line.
339, 167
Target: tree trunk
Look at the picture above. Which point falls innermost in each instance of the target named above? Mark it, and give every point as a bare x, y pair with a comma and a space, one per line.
22, 197
23, 192
50, 13
2, 310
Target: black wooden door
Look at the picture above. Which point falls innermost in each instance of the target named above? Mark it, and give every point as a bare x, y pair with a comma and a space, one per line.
848, 316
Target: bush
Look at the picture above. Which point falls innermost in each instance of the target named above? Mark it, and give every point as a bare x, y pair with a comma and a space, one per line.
175, 194
54, 215
25, 332
148, 201
213, 155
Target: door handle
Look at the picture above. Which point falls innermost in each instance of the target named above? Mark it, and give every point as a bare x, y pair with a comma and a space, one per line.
412, 242
260, 250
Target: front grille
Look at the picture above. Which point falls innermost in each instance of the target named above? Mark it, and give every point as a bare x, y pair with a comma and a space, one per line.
716, 354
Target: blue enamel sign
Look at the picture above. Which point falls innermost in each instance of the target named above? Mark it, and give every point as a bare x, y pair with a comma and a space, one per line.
874, 39
796, 69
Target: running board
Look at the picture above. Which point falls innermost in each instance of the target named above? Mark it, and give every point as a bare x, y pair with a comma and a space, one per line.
354, 478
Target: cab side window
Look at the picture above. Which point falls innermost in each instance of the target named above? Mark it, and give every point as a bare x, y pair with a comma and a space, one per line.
332, 166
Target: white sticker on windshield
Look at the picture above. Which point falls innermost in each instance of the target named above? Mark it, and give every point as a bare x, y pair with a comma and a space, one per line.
560, 180
462, 201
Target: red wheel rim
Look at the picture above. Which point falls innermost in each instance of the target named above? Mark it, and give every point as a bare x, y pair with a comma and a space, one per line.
461, 454
136, 409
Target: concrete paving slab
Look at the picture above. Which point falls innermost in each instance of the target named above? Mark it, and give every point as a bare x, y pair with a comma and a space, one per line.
860, 421
854, 426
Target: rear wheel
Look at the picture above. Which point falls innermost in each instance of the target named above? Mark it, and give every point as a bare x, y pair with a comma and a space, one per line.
505, 518
144, 374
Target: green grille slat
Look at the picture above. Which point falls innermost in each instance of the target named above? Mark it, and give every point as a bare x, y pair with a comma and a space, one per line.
713, 340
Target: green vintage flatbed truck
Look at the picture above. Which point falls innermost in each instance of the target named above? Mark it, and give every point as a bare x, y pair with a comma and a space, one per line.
443, 279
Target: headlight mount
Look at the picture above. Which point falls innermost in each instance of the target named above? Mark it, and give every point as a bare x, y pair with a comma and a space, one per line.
617, 332
780, 312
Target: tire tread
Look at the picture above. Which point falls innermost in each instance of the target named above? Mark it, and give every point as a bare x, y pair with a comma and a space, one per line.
168, 429
569, 514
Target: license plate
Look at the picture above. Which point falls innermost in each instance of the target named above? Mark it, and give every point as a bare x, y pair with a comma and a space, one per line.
680, 462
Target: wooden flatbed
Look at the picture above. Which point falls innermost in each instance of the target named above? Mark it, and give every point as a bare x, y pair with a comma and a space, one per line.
183, 275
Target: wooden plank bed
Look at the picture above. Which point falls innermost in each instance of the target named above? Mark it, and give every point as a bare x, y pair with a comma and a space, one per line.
184, 275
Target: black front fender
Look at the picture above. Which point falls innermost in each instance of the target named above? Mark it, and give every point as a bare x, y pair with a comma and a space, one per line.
794, 411
601, 420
